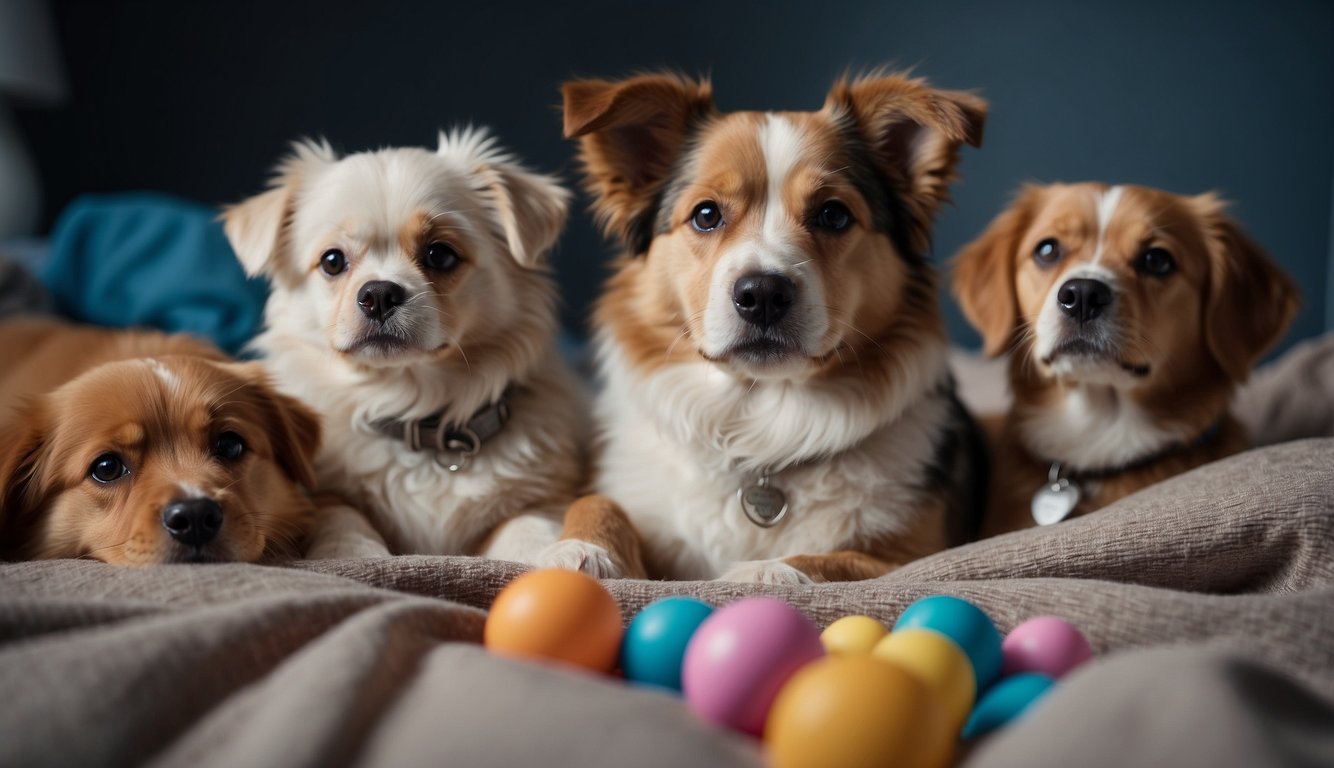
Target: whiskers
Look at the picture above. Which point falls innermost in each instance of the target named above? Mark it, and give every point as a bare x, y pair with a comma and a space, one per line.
833, 317
685, 331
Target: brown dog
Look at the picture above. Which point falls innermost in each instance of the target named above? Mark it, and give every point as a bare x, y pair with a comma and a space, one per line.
138, 448
1130, 315
777, 403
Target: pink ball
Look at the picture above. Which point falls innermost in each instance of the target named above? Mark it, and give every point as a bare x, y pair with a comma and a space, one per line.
1045, 644
741, 656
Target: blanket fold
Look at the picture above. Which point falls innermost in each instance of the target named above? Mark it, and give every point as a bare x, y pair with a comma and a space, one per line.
1218, 583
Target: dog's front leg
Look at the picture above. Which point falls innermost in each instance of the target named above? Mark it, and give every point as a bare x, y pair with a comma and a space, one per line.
846, 565
341, 532
598, 539
522, 538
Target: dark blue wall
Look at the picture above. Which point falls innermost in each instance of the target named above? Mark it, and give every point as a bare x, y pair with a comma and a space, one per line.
199, 98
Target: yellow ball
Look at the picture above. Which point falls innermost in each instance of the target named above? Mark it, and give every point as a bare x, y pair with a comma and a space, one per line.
854, 711
937, 661
852, 634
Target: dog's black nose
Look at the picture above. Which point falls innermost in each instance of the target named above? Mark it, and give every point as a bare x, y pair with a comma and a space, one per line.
763, 299
1083, 299
194, 522
379, 298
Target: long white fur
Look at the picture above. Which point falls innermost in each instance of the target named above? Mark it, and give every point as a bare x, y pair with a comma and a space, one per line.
414, 502
681, 441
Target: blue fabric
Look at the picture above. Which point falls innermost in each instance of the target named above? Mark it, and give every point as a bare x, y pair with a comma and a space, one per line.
144, 259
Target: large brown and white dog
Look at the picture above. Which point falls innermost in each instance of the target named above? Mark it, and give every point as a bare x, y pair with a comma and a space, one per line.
137, 448
1130, 315
777, 405
412, 306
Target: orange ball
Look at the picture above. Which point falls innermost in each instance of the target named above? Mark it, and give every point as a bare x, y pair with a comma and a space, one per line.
857, 710
556, 614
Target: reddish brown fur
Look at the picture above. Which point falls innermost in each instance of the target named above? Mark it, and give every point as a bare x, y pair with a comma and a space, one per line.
87, 393
633, 133
1205, 326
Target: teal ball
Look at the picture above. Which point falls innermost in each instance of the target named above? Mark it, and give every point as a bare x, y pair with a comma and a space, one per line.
655, 642
1007, 700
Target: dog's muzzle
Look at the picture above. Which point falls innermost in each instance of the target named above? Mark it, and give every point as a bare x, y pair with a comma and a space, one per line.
193, 522
763, 299
1083, 299
379, 298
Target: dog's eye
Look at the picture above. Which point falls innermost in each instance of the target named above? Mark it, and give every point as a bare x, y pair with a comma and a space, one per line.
441, 257
834, 216
108, 468
1048, 252
333, 262
706, 216
229, 446
1155, 261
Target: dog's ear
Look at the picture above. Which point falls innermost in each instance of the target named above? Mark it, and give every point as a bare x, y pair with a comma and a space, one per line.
915, 133
630, 134
1250, 300
257, 227
20, 464
293, 428
530, 207
984, 273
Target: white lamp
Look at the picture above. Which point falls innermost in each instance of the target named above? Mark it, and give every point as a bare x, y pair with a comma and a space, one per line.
30, 71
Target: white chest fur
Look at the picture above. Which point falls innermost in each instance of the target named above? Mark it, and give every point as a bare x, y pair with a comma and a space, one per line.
677, 450
420, 507
1093, 426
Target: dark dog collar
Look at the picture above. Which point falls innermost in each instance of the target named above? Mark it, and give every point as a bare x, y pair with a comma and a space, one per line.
1101, 473
1056, 500
443, 438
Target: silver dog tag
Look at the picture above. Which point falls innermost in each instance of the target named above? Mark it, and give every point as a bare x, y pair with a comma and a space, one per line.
763, 504
1055, 501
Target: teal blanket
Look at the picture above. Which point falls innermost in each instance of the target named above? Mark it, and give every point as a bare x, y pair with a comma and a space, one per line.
151, 260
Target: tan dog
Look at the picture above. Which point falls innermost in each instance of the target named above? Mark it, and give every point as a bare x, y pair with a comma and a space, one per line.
777, 405
139, 448
1130, 315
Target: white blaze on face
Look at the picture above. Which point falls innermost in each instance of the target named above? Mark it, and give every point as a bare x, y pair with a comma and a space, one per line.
1051, 326
186, 491
772, 249
164, 374
1107, 203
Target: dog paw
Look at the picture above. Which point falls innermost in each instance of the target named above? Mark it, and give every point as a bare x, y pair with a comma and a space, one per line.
766, 572
342, 533
575, 555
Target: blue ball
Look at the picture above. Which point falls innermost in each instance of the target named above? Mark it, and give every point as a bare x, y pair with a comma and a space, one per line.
965, 624
655, 642
1007, 700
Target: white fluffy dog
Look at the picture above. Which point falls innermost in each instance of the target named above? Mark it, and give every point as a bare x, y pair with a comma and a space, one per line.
413, 309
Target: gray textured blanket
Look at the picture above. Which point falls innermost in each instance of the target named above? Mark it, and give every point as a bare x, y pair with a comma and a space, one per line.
1209, 600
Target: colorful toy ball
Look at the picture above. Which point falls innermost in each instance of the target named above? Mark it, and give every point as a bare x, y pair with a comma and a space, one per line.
852, 634
740, 657
655, 642
965, 624
1005, 702
856, 710
938, 662
559, 615
1046, 644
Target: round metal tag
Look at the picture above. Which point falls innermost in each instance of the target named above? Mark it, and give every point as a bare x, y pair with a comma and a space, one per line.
1055, 501
763, 504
